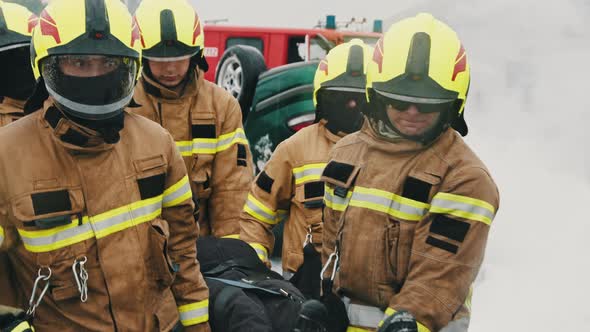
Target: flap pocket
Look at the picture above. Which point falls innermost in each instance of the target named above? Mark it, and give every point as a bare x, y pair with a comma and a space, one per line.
150, 166
418, 186
339, 174
161, 266
203, 125
311, 194
49, 208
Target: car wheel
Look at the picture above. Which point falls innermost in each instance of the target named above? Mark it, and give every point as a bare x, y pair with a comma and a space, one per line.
238, 71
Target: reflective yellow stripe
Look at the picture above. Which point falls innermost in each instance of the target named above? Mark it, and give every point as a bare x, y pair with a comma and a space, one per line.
194, 313
256, 209
260, 251
1, 235
308, 173
463, 207
23, 326
468, 299
387, 202
358, 329
177, 193
390, 311
335, 202
231, 236
106, 223
212, 145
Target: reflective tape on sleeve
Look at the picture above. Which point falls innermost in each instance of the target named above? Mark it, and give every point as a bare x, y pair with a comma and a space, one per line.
1, 235
260, 251
463, 207
259, 211
212, 145
177, 193
308, 173
194, 313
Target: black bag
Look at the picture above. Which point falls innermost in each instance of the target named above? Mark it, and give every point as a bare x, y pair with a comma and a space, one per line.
307, 277
245, 295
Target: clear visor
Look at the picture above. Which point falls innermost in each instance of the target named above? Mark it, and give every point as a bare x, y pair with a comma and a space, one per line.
90, 86
169, 59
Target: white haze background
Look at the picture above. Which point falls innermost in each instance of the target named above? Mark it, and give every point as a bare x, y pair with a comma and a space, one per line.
528, 114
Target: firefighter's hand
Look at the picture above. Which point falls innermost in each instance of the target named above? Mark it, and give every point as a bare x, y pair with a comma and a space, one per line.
401, 321
13, 319
203, 327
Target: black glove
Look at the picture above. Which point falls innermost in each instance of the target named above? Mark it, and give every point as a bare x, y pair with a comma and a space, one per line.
313, 317
12, 319
401, 321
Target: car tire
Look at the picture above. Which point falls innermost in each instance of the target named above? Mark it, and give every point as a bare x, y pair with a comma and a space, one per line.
238, 71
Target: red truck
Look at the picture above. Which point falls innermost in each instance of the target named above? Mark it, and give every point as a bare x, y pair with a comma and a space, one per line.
237, 55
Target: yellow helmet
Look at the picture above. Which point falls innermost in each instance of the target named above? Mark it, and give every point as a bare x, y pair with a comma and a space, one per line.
16, 26
170, 30
97, 34
339, 86
420, 60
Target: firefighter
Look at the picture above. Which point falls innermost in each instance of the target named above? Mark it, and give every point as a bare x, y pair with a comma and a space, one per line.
204, 120
16, 84
290, 182
17, 81
408, 204
96, 204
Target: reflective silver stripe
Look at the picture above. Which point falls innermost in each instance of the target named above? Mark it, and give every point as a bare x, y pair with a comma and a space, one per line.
363, 315
98, 226
176, 194
49, 240
194, 313
309, 172
96, 110
335, 202
259, 211
392, 204
126, 217
237, 135
210, 147
463, 207
261, 254
186, 149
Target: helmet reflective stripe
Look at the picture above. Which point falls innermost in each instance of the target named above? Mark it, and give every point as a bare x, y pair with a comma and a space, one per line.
410, 99
90, 111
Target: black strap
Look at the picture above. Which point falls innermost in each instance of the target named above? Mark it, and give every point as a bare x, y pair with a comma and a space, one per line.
243, 285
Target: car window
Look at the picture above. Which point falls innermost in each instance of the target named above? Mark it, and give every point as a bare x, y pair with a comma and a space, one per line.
250, 41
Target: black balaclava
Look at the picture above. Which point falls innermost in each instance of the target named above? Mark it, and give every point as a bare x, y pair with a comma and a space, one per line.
17, 79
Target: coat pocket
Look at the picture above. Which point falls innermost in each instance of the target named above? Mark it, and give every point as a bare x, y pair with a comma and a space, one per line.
161, 267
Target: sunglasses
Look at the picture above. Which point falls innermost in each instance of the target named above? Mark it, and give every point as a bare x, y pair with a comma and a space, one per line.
402, 106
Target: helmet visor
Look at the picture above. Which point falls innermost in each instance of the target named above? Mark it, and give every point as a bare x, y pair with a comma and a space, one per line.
93, 87
424, 105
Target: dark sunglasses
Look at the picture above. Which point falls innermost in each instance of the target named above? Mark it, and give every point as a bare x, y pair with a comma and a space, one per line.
401, 105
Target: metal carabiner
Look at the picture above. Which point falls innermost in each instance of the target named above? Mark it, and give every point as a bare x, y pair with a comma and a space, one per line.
333, 256
81, 278
40, 277
308, 237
